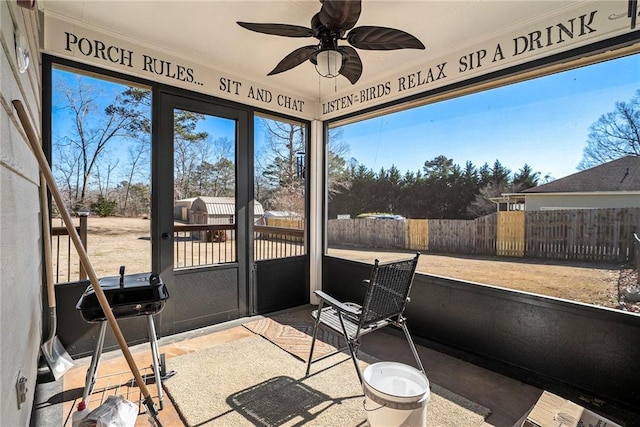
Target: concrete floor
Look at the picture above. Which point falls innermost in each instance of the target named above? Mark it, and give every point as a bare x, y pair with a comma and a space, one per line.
508, 399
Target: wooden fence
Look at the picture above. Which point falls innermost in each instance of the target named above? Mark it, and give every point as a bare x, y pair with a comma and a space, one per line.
368, 232
510, 234
297, 224
583, 234
486, 234
636, 246
417, 234
451, 235
586, 234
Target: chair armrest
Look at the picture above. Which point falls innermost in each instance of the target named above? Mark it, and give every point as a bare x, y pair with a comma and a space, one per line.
353, 311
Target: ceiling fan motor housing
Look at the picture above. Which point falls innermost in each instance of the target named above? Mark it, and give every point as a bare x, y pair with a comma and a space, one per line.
335, 18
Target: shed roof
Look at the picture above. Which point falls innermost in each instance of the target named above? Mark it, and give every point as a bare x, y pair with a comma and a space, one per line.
185, 202
221, 205
622, 174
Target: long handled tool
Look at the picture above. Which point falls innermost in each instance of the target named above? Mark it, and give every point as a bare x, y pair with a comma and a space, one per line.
84, 258
52, 349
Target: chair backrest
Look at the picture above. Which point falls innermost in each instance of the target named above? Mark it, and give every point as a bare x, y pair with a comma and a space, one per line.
388, 291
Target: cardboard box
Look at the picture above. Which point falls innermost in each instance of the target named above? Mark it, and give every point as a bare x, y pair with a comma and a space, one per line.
552, 410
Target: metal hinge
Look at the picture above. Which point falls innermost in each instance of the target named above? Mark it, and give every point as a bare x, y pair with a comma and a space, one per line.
21, 389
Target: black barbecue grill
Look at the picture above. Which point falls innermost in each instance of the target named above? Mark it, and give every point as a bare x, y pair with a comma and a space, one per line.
130, 295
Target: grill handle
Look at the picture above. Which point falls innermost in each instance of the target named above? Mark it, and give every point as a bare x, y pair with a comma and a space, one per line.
122, 276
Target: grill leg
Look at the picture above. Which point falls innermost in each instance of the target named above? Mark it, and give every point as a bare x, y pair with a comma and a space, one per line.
90, 379
153, 340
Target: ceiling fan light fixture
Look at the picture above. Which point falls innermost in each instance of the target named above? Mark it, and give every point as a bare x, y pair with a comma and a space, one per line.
328, 63
334, 22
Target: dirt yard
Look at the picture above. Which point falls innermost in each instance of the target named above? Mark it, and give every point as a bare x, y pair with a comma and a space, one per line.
125, 241
588, 283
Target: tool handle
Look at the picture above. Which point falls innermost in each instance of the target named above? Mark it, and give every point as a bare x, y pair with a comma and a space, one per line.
82, 253
46, 237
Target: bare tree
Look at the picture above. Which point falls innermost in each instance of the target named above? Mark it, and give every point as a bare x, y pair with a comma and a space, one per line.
286, 142
215, 176
192, 148
103, 185
87, 139
138, 153
190, 151
67, 172
614, 135
280, 167
482, 205
339, 178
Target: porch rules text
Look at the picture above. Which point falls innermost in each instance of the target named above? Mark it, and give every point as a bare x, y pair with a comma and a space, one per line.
117, 55
95, 49
430, 77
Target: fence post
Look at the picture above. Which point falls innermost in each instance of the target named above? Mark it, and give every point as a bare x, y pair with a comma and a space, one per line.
636, 254
83, 238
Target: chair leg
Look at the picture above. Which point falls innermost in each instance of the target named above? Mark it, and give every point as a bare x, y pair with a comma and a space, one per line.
313, 340
354, 345
403, 323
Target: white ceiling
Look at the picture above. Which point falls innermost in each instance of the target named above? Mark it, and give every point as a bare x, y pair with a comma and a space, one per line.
206, 31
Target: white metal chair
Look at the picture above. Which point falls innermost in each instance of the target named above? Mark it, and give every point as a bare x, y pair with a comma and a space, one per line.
384, 303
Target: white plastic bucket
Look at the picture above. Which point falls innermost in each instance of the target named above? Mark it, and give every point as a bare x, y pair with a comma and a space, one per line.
395, 395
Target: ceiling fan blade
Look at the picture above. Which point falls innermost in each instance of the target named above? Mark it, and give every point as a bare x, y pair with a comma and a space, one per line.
285, 30
351, 64
382, 38
294, 59
340, 15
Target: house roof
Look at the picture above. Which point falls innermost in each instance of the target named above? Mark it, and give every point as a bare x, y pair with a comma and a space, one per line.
622, 174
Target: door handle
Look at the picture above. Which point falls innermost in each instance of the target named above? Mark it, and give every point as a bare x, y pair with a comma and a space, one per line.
165, 236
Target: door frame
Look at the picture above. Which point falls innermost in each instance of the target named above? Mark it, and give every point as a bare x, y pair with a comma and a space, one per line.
165, 101
78, 333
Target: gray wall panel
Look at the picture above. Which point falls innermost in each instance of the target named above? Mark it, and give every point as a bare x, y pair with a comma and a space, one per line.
538, 339
203, 295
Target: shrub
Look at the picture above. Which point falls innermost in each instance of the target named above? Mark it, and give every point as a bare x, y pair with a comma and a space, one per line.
104, 207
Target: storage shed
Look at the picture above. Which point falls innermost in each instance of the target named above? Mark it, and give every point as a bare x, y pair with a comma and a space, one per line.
218, 210
285, 219
182, 209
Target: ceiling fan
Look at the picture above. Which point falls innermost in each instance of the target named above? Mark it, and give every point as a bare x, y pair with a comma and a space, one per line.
329, 26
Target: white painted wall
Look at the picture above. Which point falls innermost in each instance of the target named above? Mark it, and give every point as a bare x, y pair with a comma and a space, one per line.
316, 195
582, 201
20, 234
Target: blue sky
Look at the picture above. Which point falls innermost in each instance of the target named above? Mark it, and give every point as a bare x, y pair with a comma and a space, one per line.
542, 122
63, 120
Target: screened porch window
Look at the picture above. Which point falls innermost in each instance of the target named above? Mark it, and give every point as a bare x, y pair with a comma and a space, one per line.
433, 178
101, 151
280, 188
